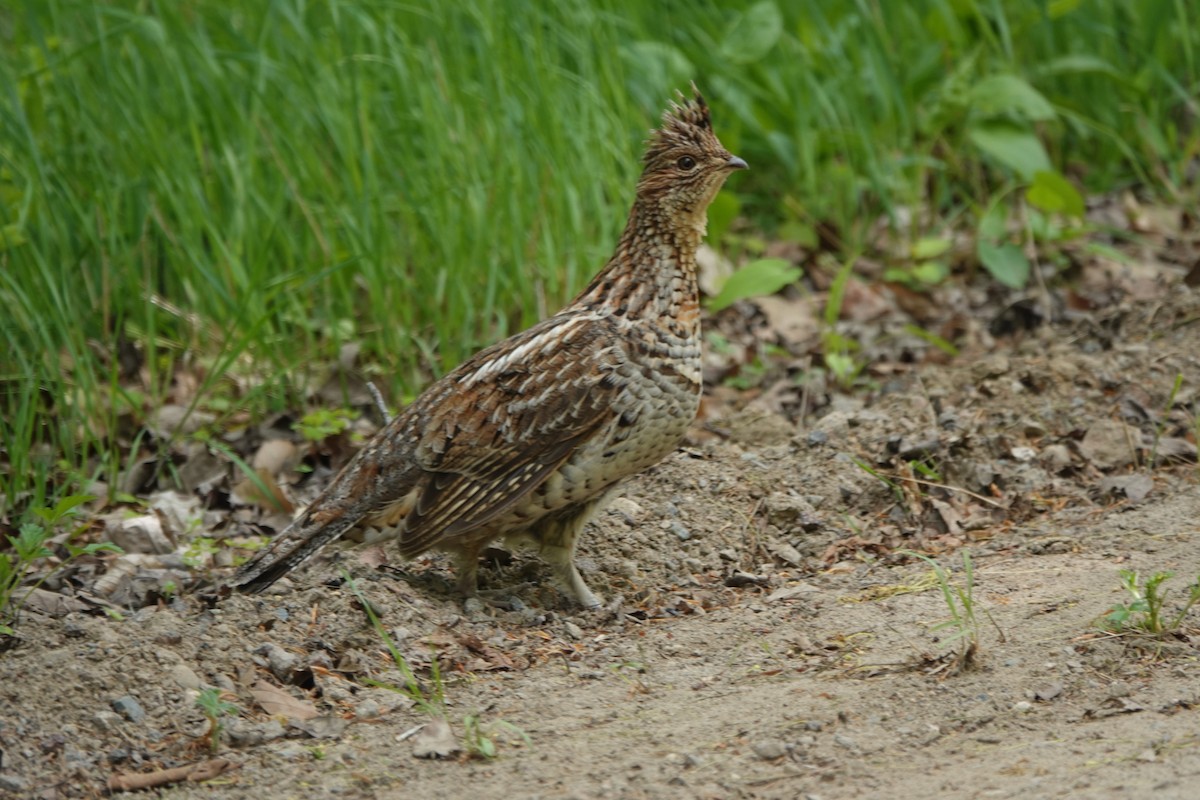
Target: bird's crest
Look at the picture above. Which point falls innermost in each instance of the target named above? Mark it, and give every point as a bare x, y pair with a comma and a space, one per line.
685, 122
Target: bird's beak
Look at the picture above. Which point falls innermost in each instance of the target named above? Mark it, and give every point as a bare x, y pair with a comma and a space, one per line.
736, 163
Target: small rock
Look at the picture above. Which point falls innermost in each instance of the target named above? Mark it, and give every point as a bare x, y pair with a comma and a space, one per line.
845, 741
679, 530
105, 720
834, 425
1148, 755
1048, 692
786, 553
129, 708
1056, 457
817, 438
627, 508
990, 367
435, 740
1110, 444
1172, 448
692, 564
1119, 689
573, 630
1023, 454
1023, 706
13, 783
789, 592
769, 749
1135, 487
281, 663
183, 675
814, 725
250, 734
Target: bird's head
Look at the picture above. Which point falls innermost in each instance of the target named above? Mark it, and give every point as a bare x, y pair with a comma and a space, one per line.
684, 165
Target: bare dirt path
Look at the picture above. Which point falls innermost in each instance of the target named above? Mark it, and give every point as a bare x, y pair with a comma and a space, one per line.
771, 641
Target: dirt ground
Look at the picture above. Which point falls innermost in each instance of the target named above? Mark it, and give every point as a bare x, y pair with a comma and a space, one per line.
765, 635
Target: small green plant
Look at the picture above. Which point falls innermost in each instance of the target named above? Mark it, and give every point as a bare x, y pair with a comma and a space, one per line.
200, 551
1145, 609
1161, 426
214, 709
29, 546
433, 703
479, 739
323, 423
960, 600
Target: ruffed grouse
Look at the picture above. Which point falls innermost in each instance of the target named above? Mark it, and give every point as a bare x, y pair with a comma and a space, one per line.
524, 440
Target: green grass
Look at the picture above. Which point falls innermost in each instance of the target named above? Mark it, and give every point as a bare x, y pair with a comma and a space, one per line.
231, 191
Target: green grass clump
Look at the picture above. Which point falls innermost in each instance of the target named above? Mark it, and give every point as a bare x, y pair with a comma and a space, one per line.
232, 191
1145, 610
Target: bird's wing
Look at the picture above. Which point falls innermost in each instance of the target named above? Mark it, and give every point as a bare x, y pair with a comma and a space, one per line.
505, 422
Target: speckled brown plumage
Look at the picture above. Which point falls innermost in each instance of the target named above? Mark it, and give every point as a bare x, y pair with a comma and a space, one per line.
523, 440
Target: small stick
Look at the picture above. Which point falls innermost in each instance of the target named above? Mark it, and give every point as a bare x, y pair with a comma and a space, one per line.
378, 398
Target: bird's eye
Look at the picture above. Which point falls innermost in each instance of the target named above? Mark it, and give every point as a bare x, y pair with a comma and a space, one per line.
686, 163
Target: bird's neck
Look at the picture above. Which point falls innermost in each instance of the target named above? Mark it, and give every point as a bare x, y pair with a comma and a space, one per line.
652, 273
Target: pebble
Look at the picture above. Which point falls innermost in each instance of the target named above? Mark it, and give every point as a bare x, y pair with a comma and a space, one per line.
1056, 457
186, 677
845, 741
105, 720
12, 783
1048, 692
1023, 706
573, 630
1119, 689
281, 663
1110, 444
130, 708
679, 530
627, 508
249, 734
769, 749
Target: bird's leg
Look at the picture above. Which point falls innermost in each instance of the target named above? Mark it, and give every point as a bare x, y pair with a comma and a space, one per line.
556, 538
466, 566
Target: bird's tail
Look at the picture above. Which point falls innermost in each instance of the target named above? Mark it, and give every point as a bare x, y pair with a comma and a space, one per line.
297, 543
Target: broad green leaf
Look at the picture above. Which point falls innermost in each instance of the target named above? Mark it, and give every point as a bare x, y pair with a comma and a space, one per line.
931, 273
993, 225
1014, 147
757, 279
930, 247
753, 34
1053, 193
1006, 263
1005, 94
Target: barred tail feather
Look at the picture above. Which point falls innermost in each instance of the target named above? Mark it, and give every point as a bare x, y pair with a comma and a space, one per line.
299, 542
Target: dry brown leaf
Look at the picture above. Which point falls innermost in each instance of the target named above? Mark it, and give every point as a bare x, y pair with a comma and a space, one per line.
278, 703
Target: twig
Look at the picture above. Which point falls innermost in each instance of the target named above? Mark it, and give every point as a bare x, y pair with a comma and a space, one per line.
378, 398
132, 781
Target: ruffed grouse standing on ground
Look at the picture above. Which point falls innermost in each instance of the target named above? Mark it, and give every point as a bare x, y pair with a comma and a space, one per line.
525, 439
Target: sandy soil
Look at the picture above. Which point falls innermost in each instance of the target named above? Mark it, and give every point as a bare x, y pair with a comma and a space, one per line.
765, 637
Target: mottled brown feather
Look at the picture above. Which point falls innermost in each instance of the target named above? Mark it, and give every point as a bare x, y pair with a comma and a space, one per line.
525, 437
